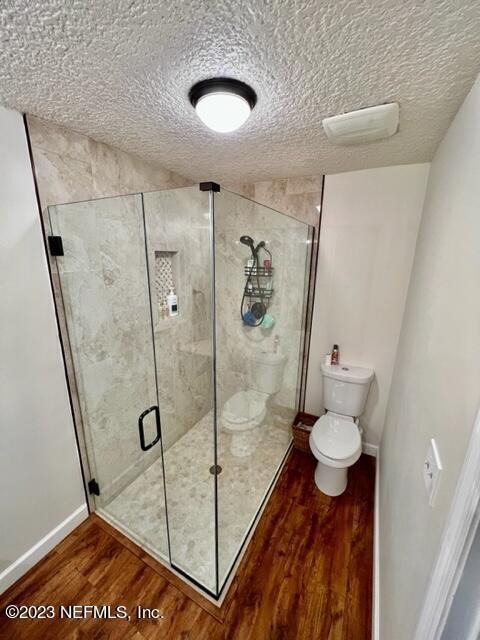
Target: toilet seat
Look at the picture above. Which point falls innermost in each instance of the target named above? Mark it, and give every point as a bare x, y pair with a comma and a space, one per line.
244, 410
336, 441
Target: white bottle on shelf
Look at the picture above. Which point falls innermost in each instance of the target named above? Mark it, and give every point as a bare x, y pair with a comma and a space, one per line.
172, 303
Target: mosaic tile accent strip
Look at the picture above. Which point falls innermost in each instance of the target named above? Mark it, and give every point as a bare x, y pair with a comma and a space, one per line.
163, 275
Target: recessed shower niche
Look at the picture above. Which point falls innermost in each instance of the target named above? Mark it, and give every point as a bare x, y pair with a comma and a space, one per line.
155, 395
166, 278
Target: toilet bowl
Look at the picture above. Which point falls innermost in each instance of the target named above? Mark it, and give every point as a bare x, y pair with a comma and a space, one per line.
335, 438
246, 410
336, 444
241, 414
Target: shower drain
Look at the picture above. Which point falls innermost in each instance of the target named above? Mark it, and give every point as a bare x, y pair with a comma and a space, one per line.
215, 469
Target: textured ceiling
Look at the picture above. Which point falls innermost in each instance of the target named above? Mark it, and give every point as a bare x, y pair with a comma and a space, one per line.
120, 71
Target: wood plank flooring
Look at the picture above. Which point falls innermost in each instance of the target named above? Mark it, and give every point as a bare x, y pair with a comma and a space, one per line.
307, 574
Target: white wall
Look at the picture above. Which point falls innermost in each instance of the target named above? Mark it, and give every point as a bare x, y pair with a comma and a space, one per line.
40, 479
367, 242
436, 385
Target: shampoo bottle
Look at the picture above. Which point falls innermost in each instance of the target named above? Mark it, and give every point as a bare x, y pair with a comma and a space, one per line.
335, 354
172, 303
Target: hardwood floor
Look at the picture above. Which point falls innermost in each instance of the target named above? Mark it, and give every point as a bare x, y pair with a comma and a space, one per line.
307, 574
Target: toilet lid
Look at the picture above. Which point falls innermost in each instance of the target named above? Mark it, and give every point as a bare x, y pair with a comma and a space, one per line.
244, 406
337, 438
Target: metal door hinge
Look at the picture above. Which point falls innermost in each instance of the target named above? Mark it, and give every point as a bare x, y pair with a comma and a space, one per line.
55, 245
93, 487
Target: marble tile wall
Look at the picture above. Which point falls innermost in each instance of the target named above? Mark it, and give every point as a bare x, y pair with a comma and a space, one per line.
70, 167
105, 295
288, 241
300, 198
178, 221
104, 287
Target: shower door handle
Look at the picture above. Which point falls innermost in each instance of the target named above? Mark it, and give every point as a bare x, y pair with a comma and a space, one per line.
146, 447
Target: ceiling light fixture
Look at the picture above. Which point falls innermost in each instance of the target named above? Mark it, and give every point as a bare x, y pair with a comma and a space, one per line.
223, 104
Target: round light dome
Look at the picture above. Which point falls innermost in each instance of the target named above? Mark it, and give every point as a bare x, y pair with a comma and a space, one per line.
223, 112
223, 104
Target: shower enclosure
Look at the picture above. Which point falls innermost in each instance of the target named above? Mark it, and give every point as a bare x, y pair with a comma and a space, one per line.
184, 431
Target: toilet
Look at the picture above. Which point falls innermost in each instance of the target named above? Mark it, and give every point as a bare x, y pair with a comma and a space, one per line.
246, 409
335, 438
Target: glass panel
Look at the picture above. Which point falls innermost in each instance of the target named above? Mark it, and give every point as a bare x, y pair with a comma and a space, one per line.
136, 281
257, 364
104, 284
178, 232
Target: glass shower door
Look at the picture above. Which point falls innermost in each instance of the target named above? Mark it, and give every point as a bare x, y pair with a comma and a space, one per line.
104, 284
144, 372
179, 248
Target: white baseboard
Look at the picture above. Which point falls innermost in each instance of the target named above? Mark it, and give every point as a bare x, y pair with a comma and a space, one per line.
376, 554
25, 562
370, 449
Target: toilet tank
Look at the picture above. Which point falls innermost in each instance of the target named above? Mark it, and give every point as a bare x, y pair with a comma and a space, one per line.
345, 388
266, 371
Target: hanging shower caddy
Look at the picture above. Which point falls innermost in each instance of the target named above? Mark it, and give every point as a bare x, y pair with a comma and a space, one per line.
259, 283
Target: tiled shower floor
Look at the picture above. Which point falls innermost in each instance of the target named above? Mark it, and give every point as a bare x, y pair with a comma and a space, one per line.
242, 485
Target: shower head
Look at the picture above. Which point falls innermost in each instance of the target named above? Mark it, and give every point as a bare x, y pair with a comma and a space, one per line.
248, 241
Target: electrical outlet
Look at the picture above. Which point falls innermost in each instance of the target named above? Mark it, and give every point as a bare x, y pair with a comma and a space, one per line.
432, 469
